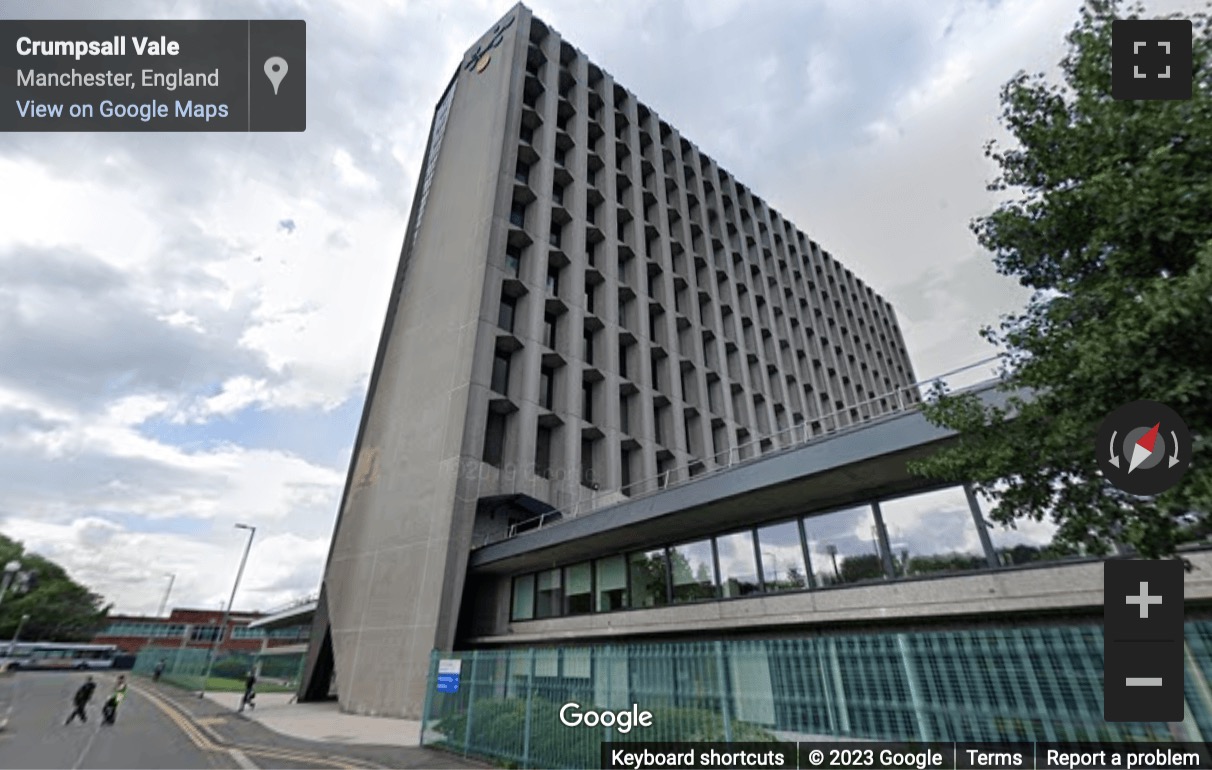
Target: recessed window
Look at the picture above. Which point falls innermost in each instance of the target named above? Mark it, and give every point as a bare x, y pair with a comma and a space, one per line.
587, 350
517, 214
542, 452
550, 321
507, 312
553, 281
587, 401
547, 388
494, 439
588, 475
664, 473
719, 444
626, 457
500, 373
513, 261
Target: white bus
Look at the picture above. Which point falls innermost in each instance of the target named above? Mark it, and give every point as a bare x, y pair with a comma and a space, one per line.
56, 655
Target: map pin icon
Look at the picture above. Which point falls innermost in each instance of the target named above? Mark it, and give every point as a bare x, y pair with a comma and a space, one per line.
275, 70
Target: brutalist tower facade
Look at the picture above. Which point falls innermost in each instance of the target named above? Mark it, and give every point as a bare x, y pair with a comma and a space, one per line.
587, 308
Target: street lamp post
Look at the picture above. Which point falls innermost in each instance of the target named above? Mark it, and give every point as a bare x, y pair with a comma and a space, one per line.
17, 635
163, 603
10, 573
210, 655
831, 549
774, 561
172, 578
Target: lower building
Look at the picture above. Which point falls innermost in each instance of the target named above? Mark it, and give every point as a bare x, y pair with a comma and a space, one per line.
819, 592
285, 636
190, 629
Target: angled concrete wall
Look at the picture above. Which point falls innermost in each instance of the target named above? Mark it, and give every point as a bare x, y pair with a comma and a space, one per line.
395, 574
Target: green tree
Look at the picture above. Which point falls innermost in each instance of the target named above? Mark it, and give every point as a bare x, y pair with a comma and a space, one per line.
944, 562
867, 566
59, 608
1110, 225
794, 578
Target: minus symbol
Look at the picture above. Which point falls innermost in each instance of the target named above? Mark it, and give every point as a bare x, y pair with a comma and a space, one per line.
1143, 681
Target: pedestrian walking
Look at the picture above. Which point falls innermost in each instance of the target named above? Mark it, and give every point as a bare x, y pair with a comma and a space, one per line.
249, 692
83, 695
109, 711
158, 670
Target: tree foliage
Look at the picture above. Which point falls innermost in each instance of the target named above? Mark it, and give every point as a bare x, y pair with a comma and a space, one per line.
865, 566
1110, 225
59, 608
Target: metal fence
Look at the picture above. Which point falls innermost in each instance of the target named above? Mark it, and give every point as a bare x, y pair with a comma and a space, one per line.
186, 667
995, 685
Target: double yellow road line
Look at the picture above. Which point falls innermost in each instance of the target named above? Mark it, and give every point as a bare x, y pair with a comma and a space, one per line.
184, 723
208, 740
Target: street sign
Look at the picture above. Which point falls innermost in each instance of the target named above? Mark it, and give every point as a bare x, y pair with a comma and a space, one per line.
448, 675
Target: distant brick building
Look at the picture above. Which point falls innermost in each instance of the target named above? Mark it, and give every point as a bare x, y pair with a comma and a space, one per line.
188, 628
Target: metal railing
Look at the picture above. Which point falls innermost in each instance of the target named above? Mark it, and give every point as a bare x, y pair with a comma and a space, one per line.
830, 424
997, 685
293, 603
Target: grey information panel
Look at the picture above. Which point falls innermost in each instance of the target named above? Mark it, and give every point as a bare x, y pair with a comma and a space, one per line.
153, 75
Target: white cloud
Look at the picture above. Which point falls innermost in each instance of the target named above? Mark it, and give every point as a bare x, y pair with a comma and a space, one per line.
208, 491
348, 173
45, 210
825, 80
183, 319
131, 568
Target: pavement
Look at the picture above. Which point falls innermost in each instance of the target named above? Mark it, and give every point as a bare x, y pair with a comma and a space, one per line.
322, 721
161, 726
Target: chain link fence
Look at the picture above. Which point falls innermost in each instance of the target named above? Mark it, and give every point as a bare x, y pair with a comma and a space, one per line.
186, 668
993, 685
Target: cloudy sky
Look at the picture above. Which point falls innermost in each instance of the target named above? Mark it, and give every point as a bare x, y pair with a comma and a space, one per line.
188, 321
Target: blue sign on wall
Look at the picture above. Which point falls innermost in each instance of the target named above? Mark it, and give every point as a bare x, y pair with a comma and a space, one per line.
448, 675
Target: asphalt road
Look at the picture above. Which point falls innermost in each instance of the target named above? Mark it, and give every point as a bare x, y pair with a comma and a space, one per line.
160, 726
143, 736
